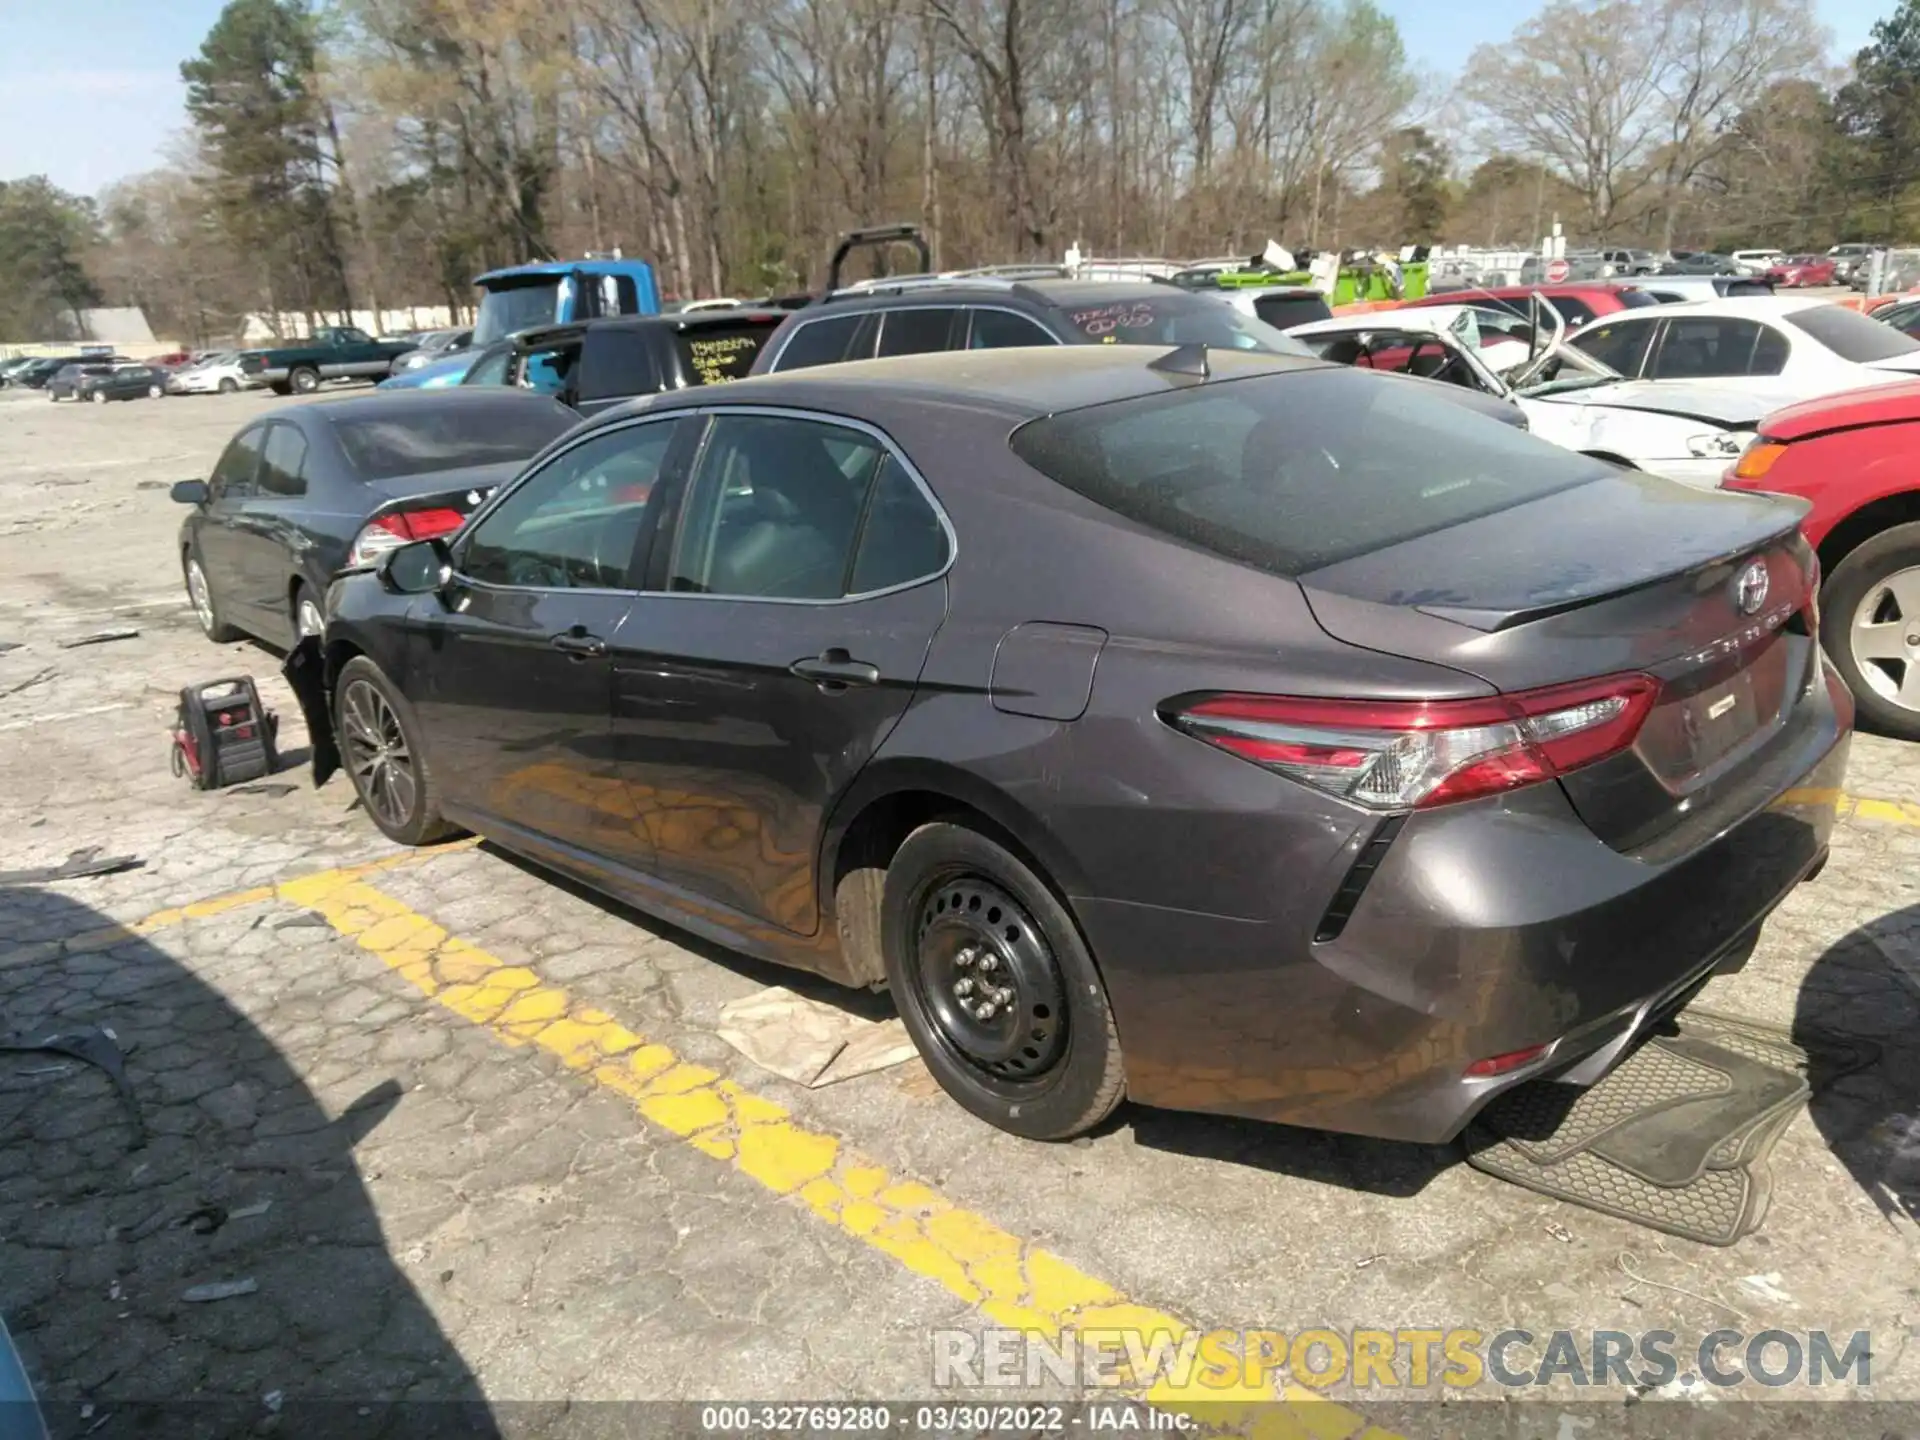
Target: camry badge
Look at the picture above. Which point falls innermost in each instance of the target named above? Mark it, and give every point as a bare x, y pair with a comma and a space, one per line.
1750, 588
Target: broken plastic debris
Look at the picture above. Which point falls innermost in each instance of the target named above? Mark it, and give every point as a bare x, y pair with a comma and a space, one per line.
219, 1290
96, 1046
1767, 1287
98, 637
250, 1212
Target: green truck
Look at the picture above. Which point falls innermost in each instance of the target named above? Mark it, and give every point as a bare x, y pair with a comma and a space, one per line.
335, 352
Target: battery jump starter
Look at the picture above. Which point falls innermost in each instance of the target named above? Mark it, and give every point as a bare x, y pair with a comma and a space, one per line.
223, 735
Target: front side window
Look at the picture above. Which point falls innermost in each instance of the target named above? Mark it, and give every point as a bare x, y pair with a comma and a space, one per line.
283, 462
1620, 345
233, 475
794, 509
574, 523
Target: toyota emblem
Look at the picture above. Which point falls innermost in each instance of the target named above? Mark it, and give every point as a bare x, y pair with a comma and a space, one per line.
1750, 588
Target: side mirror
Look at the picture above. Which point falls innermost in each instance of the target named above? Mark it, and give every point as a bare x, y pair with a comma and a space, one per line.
189, 492
416, 569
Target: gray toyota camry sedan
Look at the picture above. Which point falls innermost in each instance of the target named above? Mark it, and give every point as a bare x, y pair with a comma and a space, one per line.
1231, 731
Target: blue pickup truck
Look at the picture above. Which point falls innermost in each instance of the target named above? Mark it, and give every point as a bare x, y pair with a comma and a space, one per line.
551, 292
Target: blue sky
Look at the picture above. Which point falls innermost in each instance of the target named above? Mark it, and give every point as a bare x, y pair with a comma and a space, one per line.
90, 89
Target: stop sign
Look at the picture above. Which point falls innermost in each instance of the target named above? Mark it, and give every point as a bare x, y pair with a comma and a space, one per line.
1557, 270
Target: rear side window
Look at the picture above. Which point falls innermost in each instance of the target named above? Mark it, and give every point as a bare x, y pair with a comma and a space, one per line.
1710, 346
713, 354
1004, 330
1288, 473
915, 332
1851, 335
819, 342
901, 539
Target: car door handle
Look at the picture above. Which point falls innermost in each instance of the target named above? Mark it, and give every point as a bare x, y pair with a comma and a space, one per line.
835, 668
577, 643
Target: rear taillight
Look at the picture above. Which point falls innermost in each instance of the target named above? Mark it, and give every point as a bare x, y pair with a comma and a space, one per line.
1396, 755
402, 527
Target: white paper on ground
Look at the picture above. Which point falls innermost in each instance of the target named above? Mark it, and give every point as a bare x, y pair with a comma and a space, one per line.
809, 1042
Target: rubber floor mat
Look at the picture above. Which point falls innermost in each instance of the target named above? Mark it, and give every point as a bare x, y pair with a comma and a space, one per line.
1676, 1136
1671, 1144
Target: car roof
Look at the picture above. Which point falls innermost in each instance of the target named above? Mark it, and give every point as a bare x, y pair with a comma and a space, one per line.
678, 322
1771, 307
1019, 384
1520, 292
371, 404
981, 290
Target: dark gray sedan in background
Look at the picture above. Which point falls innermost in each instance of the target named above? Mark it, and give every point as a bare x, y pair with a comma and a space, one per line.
307, 490
1229, 730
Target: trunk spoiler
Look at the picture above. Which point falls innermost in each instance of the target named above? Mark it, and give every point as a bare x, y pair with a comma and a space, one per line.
306, 674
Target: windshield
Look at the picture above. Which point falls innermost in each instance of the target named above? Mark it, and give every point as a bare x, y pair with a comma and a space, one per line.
1851, 335
422, 439
1294, 471
1175, 319
515, 306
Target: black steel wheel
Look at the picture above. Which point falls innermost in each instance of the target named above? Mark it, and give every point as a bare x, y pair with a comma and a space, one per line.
379, 741
996, 986
988, 980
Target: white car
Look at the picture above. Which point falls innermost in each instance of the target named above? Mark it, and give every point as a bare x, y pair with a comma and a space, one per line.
217, 374
1686, 432
1756, 262
1785, 348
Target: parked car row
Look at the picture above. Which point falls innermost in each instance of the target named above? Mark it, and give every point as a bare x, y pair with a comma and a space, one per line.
1144, 704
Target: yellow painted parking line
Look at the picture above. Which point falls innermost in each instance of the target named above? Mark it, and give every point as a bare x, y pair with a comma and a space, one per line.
1847, 806
1013, 1283
107, 936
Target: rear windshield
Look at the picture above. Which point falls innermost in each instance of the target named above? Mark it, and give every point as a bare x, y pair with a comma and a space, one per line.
1291, 472
419, 440
1851, 335
1176, 319
713, 353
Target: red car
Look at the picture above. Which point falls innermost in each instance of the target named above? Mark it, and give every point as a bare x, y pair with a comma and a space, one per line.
1578, 302
1856, 457
1802, 270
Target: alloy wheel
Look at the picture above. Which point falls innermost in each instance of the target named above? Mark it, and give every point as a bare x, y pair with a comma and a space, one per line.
200, 595
377, 753
1885, 637
988, 980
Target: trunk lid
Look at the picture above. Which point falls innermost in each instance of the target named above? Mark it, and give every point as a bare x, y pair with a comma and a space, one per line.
1628, 573
461, 489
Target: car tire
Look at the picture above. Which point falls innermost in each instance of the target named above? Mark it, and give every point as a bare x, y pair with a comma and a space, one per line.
200, 596
1859, 589
369, 710
228, 385
154, 392
99, 397
280, 387
1045, 1062
304, 381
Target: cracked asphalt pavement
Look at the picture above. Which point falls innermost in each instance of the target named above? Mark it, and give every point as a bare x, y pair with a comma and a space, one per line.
467, 1142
